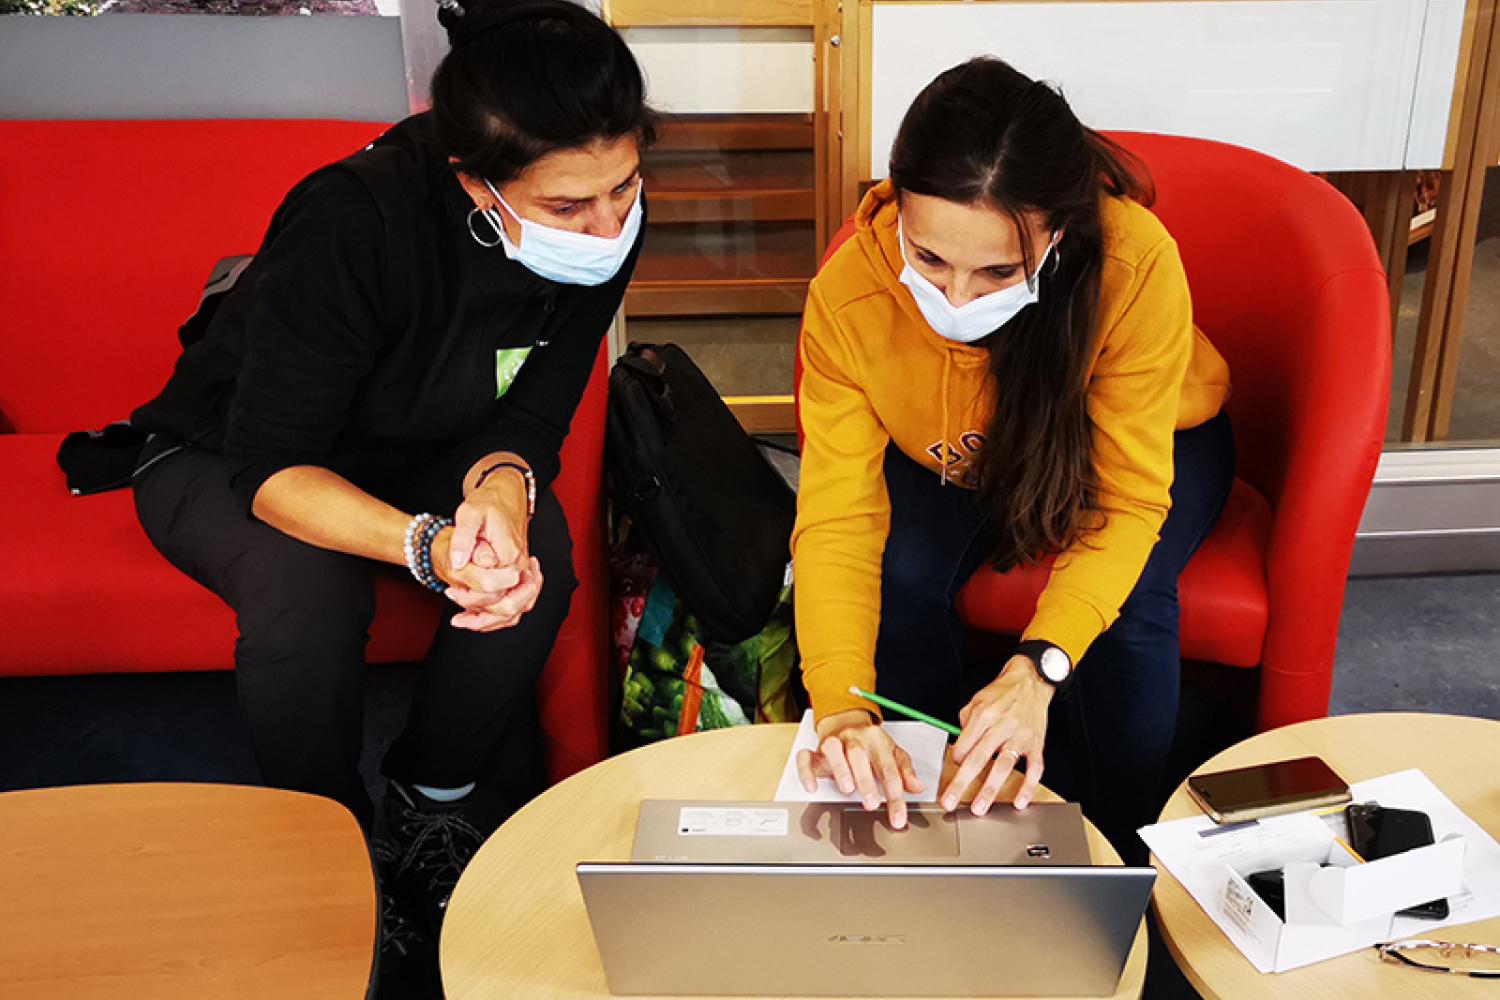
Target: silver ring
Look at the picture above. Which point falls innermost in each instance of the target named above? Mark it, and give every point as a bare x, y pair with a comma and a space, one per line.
1014, 753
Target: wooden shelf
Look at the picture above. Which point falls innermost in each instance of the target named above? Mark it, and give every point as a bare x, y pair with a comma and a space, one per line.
733, 209
744, 133
748, 297
764, 414
728, 251
1422, 226
696, 170
789, 205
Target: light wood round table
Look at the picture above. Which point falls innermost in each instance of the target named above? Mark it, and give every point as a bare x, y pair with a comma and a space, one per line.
1461, 756
516, 925
213, 892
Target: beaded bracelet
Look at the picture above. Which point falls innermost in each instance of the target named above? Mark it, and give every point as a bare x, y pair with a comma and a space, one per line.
425, 539
408, 543
421, 531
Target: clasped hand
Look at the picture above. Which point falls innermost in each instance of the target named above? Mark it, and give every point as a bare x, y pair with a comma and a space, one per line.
484, 559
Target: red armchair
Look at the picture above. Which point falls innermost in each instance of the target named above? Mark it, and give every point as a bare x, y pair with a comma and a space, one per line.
107, 233
1287, 285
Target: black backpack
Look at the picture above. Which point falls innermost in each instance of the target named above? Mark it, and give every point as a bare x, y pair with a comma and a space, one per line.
713, 513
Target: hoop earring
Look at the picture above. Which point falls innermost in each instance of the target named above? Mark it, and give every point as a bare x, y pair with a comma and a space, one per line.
499, 233
1056, 261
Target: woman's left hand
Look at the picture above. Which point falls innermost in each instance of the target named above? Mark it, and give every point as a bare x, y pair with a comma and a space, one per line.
490, 532
485, 612
1007, 717
489, 527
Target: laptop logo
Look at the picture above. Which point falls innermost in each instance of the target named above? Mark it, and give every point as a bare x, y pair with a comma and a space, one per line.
867, 939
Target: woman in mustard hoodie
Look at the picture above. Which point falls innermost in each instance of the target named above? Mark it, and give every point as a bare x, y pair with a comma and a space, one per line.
1000, 367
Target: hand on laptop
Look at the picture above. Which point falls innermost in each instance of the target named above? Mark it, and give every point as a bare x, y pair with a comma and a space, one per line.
860, 755
1005, 722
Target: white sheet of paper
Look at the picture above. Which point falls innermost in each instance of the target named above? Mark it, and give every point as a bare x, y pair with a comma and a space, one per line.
1196, 861
926, 744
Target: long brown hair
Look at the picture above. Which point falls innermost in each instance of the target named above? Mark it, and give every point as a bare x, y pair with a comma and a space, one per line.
983, 133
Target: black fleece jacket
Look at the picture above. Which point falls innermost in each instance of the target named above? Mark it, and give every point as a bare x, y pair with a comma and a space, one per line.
366, 335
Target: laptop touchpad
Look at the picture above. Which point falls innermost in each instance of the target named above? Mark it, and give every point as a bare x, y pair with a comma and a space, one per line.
929, 833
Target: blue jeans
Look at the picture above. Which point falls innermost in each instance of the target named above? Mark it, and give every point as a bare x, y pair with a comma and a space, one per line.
1109, 736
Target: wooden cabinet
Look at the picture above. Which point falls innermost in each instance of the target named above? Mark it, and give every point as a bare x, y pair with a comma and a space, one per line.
736, 192
732, 206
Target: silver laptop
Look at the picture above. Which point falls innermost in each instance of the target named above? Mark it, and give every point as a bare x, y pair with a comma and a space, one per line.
823, 899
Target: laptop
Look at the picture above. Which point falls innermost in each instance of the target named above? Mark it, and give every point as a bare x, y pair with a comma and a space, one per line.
825, 899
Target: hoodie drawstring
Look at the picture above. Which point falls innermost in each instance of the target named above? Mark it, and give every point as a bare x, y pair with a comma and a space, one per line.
947, 363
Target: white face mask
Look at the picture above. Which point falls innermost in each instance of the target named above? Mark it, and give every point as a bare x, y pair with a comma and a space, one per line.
973, 320
562, 256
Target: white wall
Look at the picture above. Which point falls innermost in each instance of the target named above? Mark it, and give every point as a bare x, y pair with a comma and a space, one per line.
726, 70
198, 66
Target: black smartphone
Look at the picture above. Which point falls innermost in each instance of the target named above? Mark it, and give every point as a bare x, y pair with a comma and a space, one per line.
1268, 789
1378, 832
1270, 886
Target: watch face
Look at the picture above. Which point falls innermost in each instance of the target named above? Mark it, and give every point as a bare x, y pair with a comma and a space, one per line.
1055, 665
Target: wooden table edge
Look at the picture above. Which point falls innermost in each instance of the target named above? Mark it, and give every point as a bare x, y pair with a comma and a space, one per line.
209, 794
1164, 927
1140, 942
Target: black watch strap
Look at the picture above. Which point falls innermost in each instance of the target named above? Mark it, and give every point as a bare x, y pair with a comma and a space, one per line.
1035, 649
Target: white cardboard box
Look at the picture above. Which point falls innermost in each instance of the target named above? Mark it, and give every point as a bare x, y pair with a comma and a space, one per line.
1348, 906
1331, 911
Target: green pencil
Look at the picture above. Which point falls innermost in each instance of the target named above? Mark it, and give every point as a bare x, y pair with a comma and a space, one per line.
911, 713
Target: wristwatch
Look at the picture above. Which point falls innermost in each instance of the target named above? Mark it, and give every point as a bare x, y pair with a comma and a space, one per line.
1051, 663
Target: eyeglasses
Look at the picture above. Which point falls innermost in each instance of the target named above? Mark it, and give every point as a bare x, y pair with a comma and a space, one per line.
1480, 961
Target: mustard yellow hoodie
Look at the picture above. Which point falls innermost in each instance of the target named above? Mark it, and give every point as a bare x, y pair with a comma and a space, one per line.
875, 372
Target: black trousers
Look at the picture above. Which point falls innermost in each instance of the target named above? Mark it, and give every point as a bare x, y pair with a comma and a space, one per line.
303, 615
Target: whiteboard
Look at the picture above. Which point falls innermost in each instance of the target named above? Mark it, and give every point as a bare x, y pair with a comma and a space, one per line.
1322, 84
1437, 71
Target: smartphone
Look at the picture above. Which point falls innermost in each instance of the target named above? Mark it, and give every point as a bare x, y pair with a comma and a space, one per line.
1378, 832
1270, 886
1285, 786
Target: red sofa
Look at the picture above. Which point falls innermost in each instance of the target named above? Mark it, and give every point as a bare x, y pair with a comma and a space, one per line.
107, 233
1287, 285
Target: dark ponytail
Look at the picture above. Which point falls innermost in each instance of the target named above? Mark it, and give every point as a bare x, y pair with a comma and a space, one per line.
983, 133
524, 79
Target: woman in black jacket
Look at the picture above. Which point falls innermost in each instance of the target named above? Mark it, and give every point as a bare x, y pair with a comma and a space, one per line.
390, 381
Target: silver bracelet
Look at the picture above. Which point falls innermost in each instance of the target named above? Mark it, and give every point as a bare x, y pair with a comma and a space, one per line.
409, 545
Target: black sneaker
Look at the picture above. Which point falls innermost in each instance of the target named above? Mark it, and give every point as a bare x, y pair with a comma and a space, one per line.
405, 949
434, 842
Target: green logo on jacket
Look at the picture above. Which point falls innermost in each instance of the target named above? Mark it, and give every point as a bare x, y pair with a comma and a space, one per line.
508, 362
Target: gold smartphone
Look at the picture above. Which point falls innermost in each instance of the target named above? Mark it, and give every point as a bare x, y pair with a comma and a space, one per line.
1284, 786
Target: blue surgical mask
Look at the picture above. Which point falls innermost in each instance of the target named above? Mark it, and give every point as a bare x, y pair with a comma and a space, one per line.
566, 257
973, 320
